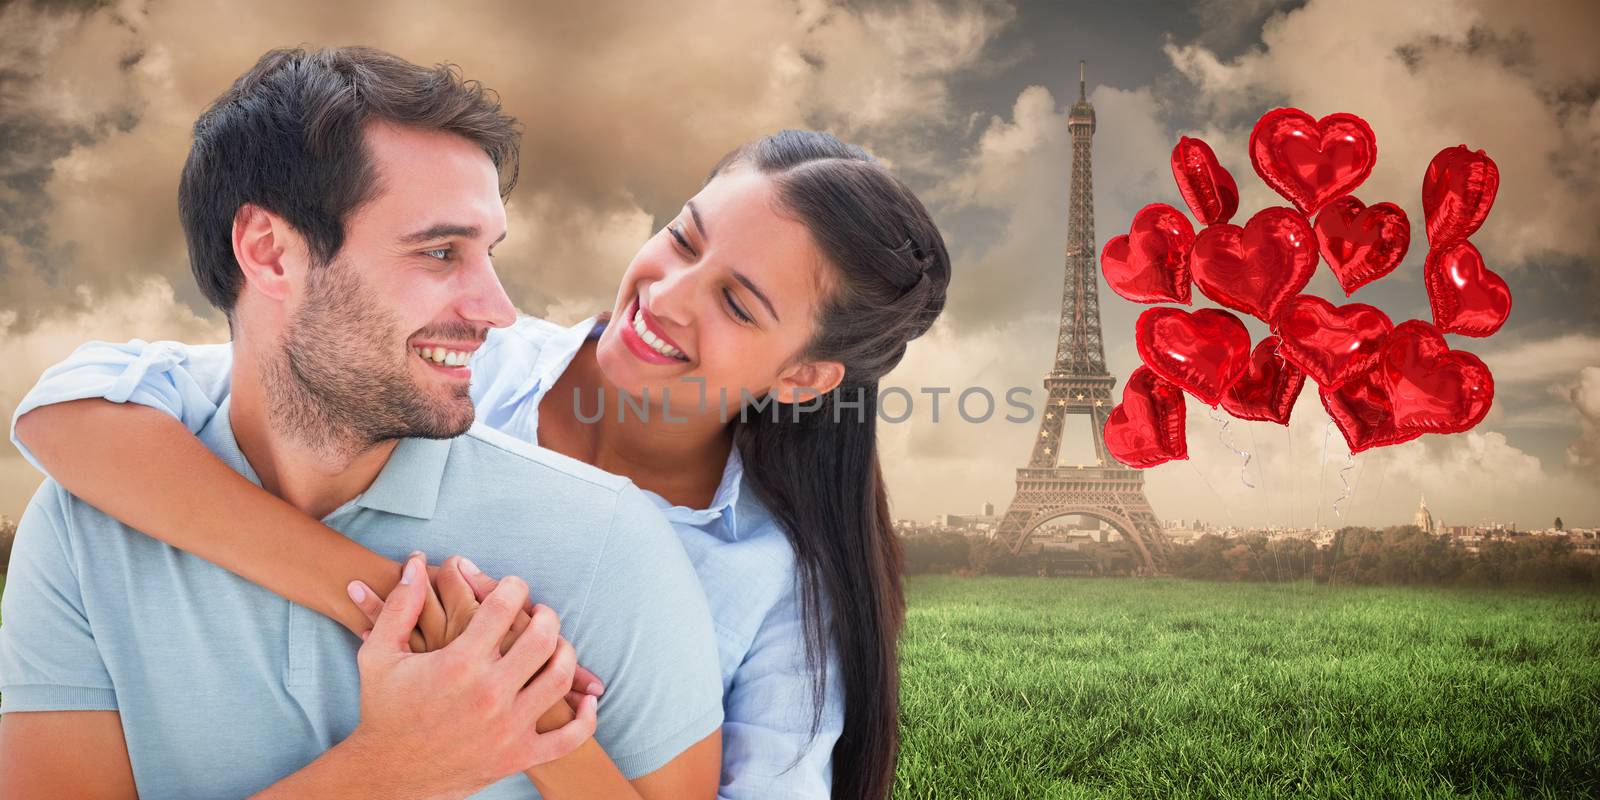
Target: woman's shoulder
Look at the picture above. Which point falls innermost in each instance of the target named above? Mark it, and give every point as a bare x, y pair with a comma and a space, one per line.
522, 343
755, 568
528, 334
508, 355
511, 364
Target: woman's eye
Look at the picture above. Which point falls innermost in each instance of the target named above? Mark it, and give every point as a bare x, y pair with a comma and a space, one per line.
737, 311
682, 240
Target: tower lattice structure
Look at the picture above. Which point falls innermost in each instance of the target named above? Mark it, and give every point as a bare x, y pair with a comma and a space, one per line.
1078, 383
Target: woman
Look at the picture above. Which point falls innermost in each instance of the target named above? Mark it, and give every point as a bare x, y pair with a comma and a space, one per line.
738, 385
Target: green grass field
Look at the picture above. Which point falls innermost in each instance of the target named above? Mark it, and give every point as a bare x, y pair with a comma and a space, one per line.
1058, 688
1055, 688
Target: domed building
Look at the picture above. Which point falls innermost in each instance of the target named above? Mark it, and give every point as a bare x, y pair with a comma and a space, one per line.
1424, 518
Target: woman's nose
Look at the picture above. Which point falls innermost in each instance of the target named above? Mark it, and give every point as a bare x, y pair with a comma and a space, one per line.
671, 295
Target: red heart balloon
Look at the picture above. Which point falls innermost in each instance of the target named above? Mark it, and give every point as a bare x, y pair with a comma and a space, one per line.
1457, 192
1362, 243
1257, 268
1466, 296
1309, 161
1203, 352
1205, 185
1431, 387
1331, 343
1146, 428
1268, 388
1361, 410
1150, 263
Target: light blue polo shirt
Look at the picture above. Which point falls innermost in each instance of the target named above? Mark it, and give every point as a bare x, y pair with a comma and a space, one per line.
771, 748
223, 687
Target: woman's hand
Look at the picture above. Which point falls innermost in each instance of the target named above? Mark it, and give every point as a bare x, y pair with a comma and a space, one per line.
460, 588
474, 711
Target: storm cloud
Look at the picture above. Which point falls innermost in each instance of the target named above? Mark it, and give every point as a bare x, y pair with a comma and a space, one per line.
627, 105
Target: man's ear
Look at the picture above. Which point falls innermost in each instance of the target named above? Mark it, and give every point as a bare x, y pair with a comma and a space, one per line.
270, 253
807, 380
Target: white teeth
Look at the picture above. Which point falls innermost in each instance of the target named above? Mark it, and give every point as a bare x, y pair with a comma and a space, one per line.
439, 355
654, 341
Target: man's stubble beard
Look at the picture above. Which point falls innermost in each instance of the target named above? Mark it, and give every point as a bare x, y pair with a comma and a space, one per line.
339, 381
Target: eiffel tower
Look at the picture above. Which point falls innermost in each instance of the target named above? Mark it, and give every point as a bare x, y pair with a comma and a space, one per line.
1079, 384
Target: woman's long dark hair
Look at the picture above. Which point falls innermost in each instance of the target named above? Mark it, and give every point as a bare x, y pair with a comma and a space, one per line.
817, 470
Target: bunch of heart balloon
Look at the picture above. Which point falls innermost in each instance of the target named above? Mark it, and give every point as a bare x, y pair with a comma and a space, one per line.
1381, 383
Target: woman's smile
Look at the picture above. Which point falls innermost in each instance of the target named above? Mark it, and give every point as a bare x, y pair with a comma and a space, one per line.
642, 333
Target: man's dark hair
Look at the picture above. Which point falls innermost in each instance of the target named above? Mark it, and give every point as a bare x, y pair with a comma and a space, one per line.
287, 136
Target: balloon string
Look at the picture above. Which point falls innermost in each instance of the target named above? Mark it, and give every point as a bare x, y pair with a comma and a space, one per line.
1227, 441
1227, 508
1344, 471
1294, 478
1322, 472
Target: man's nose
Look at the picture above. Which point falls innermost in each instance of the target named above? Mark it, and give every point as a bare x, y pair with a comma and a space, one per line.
485, 300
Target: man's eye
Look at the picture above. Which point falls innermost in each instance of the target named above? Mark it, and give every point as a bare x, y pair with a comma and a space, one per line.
443, 251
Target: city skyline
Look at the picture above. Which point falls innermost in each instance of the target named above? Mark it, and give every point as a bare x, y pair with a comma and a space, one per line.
986, 516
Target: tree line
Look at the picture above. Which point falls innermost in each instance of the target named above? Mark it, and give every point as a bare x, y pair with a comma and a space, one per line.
8, 534
1401, 555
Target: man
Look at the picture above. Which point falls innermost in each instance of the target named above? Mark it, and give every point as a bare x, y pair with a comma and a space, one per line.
341, 207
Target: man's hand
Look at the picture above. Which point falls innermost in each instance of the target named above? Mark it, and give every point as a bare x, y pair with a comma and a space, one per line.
584, 682
471, 710
458, 586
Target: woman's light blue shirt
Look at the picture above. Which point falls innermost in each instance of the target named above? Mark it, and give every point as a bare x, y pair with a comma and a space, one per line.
742, 556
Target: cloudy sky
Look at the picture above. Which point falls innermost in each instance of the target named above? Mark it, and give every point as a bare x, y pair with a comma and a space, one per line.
627, 105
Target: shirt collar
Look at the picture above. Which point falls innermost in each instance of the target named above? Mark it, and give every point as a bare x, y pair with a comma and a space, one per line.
217, 436
408, 484
555, 355
724, 503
